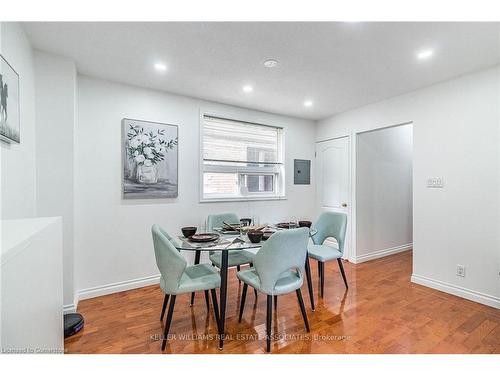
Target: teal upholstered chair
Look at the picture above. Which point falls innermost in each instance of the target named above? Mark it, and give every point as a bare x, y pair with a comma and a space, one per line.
329, 224
177, 278
278, 268
236, 258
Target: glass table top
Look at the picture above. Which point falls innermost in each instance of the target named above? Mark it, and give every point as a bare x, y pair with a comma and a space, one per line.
224, 243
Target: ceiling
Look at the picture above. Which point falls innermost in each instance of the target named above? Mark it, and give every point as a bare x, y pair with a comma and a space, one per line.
336, 65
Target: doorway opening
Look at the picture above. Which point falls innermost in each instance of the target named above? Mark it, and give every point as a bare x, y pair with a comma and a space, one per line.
384, 192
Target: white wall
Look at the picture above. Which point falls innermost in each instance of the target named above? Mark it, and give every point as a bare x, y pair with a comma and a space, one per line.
112, 237
55, 79
384, 198
455, 136
18, 160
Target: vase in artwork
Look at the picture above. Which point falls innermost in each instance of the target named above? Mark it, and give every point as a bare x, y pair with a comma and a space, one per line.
132, 169
147, 174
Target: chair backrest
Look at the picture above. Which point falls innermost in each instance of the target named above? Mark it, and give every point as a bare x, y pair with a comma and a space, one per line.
169, 261
283, 251
164, 232
216, 220
331, 224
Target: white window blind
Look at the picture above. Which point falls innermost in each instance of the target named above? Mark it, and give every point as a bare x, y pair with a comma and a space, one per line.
241, 159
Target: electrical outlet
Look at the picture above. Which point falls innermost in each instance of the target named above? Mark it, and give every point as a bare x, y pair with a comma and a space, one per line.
460, 270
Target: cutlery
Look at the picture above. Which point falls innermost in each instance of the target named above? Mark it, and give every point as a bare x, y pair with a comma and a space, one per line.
233, 242
229, 226
261, 227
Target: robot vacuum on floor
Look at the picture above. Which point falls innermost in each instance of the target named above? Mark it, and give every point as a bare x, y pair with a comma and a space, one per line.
73, 323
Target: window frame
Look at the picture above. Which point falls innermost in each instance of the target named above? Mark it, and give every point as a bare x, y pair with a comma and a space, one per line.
280, 180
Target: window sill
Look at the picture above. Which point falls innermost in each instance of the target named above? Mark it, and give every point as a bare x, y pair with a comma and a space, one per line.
242, 199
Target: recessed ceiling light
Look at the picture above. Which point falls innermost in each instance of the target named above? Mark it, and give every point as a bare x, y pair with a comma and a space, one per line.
247, 88
425, 54
160, 67
308, 103
271, 63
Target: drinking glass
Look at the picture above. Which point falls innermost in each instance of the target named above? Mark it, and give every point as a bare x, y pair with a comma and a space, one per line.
255, 221
202, 225
243, 231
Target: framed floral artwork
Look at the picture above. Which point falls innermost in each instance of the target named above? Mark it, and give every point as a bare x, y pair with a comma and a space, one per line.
150, 159
9, 103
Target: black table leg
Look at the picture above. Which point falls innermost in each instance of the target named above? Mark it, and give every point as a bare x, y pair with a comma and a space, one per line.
223, 291
309, 283
196, 261
322, 277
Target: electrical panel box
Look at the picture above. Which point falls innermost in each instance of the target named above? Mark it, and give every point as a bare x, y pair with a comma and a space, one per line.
301, 172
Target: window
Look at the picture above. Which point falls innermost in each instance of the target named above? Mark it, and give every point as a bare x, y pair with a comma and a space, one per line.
241, 160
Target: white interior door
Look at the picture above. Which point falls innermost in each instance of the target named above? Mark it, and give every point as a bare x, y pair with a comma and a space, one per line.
332, 180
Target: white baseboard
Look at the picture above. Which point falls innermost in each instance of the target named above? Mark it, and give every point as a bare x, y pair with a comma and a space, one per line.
117, 287
381, 253
459, 291
69, 308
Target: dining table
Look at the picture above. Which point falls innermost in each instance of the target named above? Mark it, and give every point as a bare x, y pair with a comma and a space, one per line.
226, 243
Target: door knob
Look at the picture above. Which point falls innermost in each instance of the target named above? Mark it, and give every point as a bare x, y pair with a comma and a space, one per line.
344, 204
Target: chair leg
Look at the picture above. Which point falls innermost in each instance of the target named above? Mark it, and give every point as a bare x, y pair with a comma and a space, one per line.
322, 278
254, 290
319, 275
269, 318
207, 302
341, 266
242, 302
275, 303
168, 322
216, 307
302, 309
309, 283
238, 269
165, 301
197, 256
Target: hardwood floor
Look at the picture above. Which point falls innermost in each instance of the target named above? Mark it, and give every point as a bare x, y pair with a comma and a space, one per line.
382, 312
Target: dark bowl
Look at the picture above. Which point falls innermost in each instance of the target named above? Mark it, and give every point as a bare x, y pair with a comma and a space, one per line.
188, 231
266, 235
255, 236
305, 223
